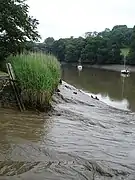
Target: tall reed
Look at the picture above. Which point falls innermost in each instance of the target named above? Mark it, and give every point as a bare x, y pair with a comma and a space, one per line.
38, 75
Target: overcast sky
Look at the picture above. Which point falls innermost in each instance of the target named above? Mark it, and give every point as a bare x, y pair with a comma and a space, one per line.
65, 18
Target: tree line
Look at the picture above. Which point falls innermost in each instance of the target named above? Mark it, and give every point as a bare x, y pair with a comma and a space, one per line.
106, 47
18, 33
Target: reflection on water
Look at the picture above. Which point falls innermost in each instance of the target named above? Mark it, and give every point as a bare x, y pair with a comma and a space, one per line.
111, 87
123, 104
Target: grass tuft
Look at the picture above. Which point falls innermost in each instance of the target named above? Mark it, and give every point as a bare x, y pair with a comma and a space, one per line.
38, 75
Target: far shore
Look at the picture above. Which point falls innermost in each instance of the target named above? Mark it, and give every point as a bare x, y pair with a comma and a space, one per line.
111, 67
114, 67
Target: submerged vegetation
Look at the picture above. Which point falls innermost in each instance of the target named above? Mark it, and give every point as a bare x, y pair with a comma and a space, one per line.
38, 75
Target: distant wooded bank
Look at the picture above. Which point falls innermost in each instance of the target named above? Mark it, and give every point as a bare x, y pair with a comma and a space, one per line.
106, 47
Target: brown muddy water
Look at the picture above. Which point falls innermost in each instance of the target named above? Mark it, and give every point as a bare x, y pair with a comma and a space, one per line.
81, 138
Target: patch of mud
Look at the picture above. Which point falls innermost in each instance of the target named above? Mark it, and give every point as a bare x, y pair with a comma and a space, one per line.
82, 138
7, 98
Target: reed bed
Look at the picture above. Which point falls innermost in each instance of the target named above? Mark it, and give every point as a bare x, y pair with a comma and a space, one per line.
38, 75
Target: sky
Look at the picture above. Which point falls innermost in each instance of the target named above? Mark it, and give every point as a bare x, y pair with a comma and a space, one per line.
65, 18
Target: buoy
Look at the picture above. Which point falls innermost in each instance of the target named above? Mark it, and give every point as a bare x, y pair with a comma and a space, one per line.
79, 67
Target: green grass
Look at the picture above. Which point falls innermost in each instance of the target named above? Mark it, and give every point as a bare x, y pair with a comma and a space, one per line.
38, 75
125, 51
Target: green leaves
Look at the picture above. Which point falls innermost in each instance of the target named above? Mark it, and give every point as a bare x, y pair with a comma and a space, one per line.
16, 26
131, 57
96, 48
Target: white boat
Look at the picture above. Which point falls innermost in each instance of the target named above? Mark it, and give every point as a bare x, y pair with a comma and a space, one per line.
79, 67
125, 70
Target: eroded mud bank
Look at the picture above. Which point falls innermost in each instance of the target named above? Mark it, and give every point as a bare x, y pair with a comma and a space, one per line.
82, 138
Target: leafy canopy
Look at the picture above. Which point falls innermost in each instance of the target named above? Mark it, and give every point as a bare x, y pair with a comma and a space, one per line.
16, 27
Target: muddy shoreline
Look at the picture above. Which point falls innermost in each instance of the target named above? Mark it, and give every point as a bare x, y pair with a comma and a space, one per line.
81, 138
65, 92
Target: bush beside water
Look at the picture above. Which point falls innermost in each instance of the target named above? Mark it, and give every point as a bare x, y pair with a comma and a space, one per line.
38, 75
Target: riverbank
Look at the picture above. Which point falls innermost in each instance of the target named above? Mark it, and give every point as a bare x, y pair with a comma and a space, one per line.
68, 94
34, 77
7, 96
80, 138
114, 67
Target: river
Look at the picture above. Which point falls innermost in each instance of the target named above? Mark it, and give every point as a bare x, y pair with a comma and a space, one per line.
109, 86
82, 138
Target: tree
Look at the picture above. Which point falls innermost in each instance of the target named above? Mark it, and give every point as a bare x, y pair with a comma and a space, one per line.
96, 48
105, 34
131, 57
16, 27
121, 35
48, 44
58, 49
74, 47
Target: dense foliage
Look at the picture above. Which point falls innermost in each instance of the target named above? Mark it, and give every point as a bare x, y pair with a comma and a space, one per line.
95, 48
131, 57
16, 27
38, 76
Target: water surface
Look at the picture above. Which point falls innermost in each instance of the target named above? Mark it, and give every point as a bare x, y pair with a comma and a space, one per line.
82, 138
109, 86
